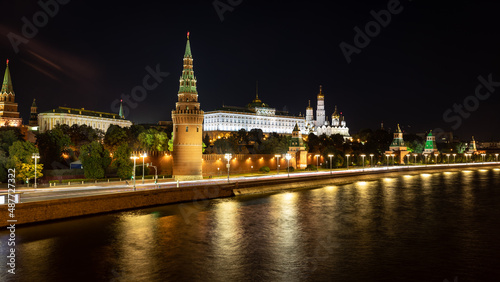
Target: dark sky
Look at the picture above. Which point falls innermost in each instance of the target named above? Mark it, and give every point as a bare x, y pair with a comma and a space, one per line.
426, 59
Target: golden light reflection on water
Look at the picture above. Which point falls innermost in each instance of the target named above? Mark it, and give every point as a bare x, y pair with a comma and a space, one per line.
136, 237
31, 254
227, 235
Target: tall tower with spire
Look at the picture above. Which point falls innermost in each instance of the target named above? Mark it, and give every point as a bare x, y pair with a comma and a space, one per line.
9, 116
33, 114
430, 144
309, 113
320, 110
187, 121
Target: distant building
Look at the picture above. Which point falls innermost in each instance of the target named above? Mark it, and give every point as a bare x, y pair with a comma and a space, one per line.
398, 147
471, 148
9, 115
430, 144
256, 115
70, 116
321, 125
33, 115
297, 148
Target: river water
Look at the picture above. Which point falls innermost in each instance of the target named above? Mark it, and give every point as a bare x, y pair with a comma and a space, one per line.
425, 227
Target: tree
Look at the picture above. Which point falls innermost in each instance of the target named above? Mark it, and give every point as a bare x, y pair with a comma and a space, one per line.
20, 158
153, 140
95, 159
115, 135
8, 137
122, 161
52, 144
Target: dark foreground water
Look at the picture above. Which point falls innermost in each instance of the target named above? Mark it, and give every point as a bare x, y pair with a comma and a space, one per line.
427, 227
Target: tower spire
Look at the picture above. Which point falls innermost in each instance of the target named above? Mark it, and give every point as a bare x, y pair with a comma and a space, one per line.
257, 91
188, 80
120, 113
7, 81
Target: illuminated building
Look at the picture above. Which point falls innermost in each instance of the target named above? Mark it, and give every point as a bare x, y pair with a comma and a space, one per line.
297, 148
9, 115
187, 121
430, 144
256, 115
69, 116
398, 147
471, 149
320, 125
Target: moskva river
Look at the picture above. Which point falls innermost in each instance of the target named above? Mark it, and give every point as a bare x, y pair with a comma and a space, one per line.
425, 227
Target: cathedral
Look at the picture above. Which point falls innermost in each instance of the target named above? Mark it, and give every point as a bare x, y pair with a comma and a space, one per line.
321, 125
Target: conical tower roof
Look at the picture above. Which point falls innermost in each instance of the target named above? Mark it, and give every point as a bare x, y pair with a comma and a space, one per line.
335, 113
33, 105
296, 128
309, 107
7, 81
188, 80
120, 112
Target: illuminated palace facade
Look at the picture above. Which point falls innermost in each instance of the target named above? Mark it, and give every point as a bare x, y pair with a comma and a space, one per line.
69, 116
256, 115
321, 125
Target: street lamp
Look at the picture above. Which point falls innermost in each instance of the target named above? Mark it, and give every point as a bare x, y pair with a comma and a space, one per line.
425, 159
133, 175
363, 156
387, 155
228, 158
347, 160
288, 157
448, 155
330, 156
436, 155
454, 158
317, 162
278, 162
496, 157
143, 156
392, 155
415, 159
408, 159
483, 157
35, 156
371, 160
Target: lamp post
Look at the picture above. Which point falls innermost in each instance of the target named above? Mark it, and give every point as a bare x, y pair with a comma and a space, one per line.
436, 155
363, 156
35, 156
143, 156
425, 159
330, 156
371, 160
228, 158
454, 155
387, 155
496, 157
392, 155
133, 175
448, 155
278, 162
415, 159
407, 159
483, 157
317, 162
347, 160
288, 157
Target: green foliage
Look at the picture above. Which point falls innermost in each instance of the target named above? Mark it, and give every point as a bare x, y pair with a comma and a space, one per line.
95, 159
311, 167
171, 144
153, 140
265, 169
115, 135
52, 144
274, 144
122, 161
20, 158
226, 145
8, 136
291, 168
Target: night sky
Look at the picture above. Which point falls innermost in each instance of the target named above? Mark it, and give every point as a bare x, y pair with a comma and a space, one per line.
427, 58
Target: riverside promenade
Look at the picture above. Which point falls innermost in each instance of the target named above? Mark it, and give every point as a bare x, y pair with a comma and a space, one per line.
59, 203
